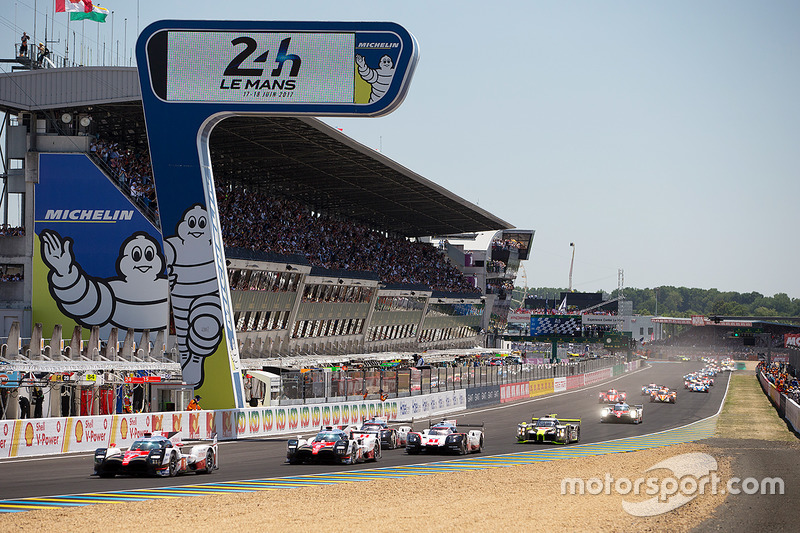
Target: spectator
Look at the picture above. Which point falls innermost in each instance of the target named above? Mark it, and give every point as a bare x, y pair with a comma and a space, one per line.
44, 52
23, 45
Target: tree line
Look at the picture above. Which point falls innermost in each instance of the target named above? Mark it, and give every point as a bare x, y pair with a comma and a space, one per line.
685, 301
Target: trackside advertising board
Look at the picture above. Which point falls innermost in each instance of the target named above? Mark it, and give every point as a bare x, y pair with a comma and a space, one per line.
195, 74
97, 260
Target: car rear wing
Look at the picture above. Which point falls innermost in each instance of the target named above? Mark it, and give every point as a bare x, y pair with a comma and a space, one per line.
570, 420
639, 406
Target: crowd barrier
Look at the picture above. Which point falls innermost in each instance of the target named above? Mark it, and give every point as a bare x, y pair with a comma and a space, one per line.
43, 436
787, 408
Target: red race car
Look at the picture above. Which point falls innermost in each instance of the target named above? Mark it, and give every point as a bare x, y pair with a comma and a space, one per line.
612, 396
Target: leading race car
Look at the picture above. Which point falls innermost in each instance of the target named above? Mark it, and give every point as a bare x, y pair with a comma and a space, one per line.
156, 455
390, 437
446, 436
664, 395
550, 428
622, 412
335, 444
612, 396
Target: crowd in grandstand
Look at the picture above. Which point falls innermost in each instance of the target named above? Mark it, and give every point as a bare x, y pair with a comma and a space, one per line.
11, 231
258, 221
132, 171
784, 382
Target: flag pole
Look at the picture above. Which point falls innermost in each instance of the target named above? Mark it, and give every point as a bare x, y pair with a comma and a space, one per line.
66, 54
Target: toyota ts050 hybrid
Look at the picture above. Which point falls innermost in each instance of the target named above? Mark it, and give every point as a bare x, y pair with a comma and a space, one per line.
334, 444
550, 429
156, 455
390, 437
446, 436
622, 412
611, 396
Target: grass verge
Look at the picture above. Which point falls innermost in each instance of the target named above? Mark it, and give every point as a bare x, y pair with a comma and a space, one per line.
748, 413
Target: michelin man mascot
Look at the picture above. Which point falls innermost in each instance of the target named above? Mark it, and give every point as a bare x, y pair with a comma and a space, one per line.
135, 298
195, 293
380, 79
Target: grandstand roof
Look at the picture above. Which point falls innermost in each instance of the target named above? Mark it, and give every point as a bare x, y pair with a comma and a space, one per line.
302, 158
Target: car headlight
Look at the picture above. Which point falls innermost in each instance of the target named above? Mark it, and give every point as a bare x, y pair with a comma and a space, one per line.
634, 413
604, 412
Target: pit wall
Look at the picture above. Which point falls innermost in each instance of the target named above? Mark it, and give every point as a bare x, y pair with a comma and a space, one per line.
787, 408
46, 436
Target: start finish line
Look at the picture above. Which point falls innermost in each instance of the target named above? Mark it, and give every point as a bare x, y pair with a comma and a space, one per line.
195, 74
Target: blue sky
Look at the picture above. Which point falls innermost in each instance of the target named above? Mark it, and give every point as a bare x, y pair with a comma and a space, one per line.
661, 138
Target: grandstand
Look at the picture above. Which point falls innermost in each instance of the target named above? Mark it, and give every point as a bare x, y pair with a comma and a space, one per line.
293, 297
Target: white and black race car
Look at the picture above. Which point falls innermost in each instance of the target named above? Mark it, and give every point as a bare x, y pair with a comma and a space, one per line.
156, 455
334, 444
390, 437
446, 436
622, 412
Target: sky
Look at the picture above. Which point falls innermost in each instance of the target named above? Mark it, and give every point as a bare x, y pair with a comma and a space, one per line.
662, 138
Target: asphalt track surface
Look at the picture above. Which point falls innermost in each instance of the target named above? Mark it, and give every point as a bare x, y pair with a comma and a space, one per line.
265, 458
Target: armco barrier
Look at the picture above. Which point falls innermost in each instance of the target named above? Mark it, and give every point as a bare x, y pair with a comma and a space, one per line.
559, 384
574, 382
597, 375
483, 396
793, 414
514, 391
541, 387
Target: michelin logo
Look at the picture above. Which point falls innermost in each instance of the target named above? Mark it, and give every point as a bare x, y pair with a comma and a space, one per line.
102, 215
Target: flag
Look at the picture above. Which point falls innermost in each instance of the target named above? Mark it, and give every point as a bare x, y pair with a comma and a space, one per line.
82, 10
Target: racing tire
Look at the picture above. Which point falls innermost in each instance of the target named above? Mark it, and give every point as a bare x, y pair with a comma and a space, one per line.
173, 465
393, 441
209, 463
462, 448
480, 445
378, 453
578, 435
106, 474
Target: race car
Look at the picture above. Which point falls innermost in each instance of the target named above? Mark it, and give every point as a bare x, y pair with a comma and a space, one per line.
446, 436
156, 455
647, 389
622, 412
698, 386
390, 438
664, 395
334, 444
550, 428
611, 396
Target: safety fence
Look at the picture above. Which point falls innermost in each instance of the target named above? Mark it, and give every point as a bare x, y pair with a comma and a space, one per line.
787, 408
30, 437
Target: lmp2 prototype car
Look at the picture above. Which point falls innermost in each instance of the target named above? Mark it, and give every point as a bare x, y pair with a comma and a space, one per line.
648, 389
611, 396
156, 455
622, 412
390, 437
664, 395
698, 386
335, 444
550, 428
446, 436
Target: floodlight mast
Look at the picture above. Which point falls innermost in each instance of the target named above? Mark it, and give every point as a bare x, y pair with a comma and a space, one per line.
571, 263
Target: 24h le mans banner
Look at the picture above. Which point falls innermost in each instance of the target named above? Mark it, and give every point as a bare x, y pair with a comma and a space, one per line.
195, 74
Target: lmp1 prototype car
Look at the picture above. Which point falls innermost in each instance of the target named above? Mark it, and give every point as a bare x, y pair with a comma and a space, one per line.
611, 396
446, 436
335, 444
390, 438
156, 456
622, 412
664, 395
550, 428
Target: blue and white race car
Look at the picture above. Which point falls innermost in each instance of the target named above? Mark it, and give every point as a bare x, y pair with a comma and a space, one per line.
446, 436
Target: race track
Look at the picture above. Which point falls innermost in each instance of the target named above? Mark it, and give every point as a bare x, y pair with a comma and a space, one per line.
264, 458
